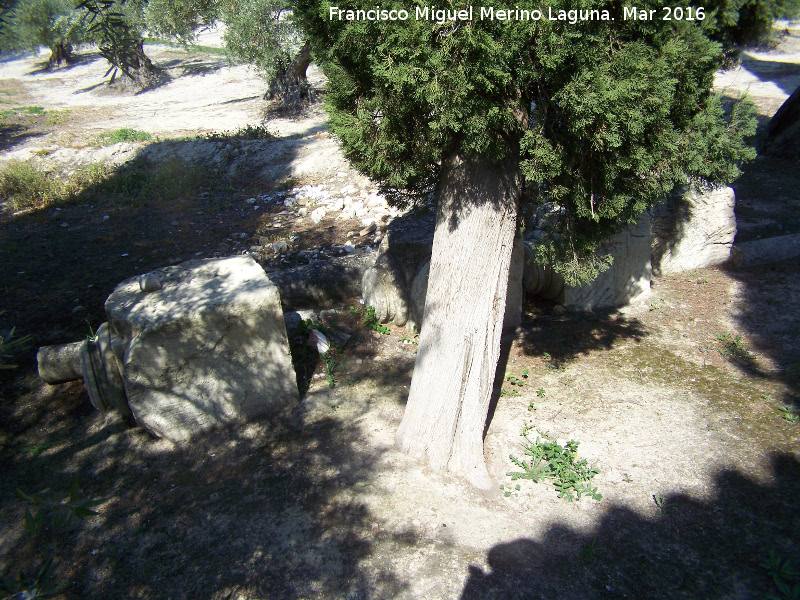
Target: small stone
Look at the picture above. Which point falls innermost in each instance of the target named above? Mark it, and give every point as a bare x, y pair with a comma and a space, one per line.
106, 217
174, 223
318, 214
251, 200
78, 310
280, 247
303, 201
302, 211
367, 230
149, 282
349, 249
64, 224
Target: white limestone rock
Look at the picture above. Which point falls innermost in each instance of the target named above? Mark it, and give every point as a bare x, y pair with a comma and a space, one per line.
693, 230
209, 348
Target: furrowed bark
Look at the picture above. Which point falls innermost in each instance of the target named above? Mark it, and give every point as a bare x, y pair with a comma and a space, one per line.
463, 321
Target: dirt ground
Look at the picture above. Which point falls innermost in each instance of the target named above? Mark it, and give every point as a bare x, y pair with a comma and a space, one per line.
678, 402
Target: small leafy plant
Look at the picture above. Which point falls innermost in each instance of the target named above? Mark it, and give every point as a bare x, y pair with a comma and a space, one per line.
560, 464
540, 392
39, 510
658, 306
124, 134
10, 346
520, 381
790, 414
331, 365
734, 348
371, 321
785, 577
662, 504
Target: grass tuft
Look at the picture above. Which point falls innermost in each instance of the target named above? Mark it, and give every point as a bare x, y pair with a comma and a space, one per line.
124, 134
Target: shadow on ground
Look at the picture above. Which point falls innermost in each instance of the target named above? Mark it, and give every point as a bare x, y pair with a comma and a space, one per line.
785, 75
64, 260
689, 548
228, 516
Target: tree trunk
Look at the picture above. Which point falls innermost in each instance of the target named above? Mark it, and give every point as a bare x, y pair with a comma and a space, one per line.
61, 52
291, 86
145, 70
463, 321
783, 131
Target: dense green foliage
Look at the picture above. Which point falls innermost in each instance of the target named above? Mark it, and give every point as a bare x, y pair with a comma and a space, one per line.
50, 23
604, 117
180, 19
262, 33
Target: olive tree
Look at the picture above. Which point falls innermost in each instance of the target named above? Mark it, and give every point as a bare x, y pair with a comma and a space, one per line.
54, 24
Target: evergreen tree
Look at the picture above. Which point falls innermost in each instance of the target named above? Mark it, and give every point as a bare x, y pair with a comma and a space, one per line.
601, 117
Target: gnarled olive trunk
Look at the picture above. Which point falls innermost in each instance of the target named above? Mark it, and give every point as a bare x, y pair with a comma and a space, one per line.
60, 52
463, 321
290, 86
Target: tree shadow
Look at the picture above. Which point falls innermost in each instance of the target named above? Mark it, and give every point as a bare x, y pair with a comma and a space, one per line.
264, 512
12, 135
785, 75
172, 202
770, 316
560, 338
78, 59
688, 548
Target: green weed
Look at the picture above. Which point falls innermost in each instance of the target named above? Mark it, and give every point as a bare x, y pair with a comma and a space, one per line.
785, 577
35, 450
560, 464
10, 346
662, 504
29, 186
331, 365
371, 321
26, 185
540, 392
248, 132
38, 511
658, 306
28, 110
519, 381
591, 550
790, 414
57, 117
124, 134
734, 348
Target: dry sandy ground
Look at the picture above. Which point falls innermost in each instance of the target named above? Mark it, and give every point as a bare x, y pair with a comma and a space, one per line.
332, 511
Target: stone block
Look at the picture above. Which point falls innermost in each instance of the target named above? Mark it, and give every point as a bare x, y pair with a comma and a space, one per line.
627, 281
693, 230
208, 348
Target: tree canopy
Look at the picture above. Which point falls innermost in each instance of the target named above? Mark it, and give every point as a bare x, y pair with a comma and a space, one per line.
605, 117
588, 105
